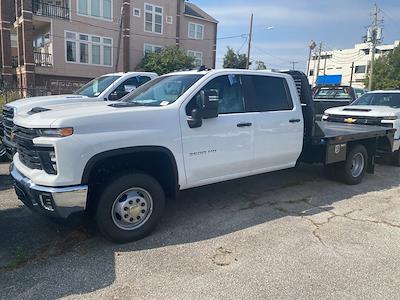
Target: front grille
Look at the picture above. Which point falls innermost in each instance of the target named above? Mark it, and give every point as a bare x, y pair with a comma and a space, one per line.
27, 151
8, 121
377, 121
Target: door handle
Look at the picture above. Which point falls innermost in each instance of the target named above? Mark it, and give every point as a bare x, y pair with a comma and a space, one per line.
244, 124
294, 121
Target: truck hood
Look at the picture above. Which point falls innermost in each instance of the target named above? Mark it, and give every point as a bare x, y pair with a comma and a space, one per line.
364, 111
26, 104
55, 116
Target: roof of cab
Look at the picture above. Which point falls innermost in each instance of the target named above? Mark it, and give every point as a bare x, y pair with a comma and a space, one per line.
225, 71
130, 73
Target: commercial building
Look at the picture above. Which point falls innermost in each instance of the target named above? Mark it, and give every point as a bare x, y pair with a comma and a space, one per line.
346, 66
58, 45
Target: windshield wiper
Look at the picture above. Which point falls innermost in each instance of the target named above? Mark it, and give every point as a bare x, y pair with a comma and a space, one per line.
126, 104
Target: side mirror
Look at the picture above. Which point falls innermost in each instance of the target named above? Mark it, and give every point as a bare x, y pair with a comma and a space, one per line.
113, 96
195, 120
209, 103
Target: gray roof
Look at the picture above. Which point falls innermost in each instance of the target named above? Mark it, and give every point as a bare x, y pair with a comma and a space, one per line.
195, 11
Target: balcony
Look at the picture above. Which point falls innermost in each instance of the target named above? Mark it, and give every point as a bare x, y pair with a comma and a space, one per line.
43, 8
43, 59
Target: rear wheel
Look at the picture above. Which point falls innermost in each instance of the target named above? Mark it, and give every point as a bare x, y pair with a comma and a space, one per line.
351, 171
130, 207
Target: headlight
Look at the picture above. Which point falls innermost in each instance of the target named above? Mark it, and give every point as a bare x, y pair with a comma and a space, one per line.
56, 132
325, 117
390, 118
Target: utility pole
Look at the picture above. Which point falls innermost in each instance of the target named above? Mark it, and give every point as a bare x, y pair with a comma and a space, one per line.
374, 39
311, 48
119, 38
293, 63
352, 72
249, 46
319, 61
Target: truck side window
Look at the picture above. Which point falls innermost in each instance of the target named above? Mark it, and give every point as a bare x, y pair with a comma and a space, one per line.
125, 88
267, 93
143, 79
230, 95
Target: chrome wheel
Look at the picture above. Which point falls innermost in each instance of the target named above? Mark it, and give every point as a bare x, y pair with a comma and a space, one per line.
132, 208
357, 165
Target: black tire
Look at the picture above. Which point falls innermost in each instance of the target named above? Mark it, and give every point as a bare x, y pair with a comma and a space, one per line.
396, 158
344, 170
112, 190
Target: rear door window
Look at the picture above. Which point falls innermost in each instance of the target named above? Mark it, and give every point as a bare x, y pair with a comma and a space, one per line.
267, 93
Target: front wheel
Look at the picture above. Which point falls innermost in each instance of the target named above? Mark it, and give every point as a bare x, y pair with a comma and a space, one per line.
130, 207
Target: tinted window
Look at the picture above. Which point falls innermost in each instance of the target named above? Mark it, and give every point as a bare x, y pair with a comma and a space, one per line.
333, 93
267, 93
229, 91
125, 88
143, 79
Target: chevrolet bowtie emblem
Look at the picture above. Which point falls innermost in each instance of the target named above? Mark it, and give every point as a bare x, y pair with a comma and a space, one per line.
350, 120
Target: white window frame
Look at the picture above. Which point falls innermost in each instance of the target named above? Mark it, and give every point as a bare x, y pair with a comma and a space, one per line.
169, 20
196, 25
138, 10
193, 53
152, 48
154, 13
89, 9
89, 42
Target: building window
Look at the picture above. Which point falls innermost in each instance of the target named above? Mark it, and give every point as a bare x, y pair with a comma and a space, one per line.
153, 21
88, 49
136, 12
170, 20
196, 31
95, 8
360, 69
148, 48
311, 72
198, 57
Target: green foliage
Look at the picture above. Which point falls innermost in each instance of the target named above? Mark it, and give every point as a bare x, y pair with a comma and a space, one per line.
260, 65
165, 61
386, 71
234, 60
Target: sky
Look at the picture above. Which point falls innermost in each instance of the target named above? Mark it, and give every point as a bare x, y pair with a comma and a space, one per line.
337, 24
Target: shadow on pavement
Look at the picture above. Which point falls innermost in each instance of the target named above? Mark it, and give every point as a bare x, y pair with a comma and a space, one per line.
88, 262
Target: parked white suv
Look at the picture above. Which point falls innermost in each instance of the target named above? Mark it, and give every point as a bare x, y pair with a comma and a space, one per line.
379, 108
120, 161
107, 87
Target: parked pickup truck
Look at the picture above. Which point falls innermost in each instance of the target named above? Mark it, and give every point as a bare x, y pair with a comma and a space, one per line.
120, 161
107, 87
327, 96
378, 108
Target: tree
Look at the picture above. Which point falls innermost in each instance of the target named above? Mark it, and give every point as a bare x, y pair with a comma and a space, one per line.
260, 65
386, 71
234, 60
167, 60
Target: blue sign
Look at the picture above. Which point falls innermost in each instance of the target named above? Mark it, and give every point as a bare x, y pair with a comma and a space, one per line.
329, 80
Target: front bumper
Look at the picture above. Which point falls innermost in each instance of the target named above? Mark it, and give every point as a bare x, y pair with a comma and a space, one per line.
59, 202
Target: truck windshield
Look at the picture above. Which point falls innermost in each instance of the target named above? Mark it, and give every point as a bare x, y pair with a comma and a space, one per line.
381, 99
333, 93
161, 91
95, 87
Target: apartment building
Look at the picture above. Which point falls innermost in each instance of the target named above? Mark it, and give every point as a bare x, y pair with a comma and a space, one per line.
345, 66
58, 45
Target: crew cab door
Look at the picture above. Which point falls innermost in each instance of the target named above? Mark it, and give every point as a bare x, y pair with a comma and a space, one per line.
278, 124
127, 86
222, 147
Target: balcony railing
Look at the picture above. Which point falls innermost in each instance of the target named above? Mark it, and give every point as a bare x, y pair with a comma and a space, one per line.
42, 8
43, 59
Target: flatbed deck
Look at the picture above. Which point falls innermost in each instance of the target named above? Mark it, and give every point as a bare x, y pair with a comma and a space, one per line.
348, 132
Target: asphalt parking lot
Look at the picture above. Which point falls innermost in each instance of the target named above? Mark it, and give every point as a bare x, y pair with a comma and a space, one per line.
290, 234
